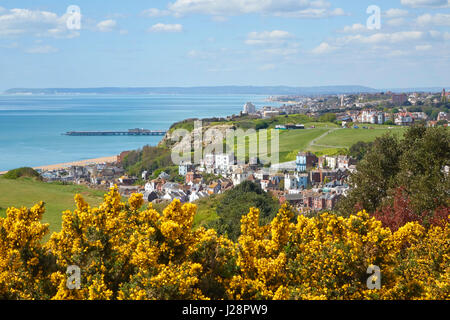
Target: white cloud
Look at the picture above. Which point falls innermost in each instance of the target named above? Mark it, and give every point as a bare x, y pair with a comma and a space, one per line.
439, 19
378, 38
267, 67
106, 25
426, 3
42, 50
2, 9
221, 8
153, 12
17, 22
281, 51
424, 47
323, 48
160, 27
397, 53
396, 22
268, 37
355, 28
396, 13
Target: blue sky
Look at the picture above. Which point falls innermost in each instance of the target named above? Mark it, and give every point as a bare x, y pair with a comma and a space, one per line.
224, 42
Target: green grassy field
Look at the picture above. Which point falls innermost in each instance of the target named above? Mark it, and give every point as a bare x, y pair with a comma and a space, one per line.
58, 198
316, 140
293, 141
348, 137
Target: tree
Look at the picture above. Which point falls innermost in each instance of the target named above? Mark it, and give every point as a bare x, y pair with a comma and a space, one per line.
21, 173
359, 149
416, 164
426, 151
375, 175
400, 212
230, 208
328, 117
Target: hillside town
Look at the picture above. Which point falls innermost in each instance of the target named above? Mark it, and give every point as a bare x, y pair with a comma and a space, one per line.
310, 183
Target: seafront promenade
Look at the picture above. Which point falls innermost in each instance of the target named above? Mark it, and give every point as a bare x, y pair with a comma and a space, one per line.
80, 163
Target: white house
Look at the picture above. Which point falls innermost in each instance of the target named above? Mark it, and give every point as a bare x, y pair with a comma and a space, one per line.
343, 162
184, 168
150, 186
239, 176
404, 119
331, 162
209, 160
224, 161
197, 195
290, 182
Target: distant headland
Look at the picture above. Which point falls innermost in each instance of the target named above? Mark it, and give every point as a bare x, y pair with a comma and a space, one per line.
257, 90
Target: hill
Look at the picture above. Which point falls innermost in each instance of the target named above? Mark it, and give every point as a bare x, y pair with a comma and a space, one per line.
58, 198
264, 90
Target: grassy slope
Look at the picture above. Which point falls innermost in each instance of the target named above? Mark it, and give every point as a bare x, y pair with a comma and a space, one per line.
58, 198
348, 137
293, 141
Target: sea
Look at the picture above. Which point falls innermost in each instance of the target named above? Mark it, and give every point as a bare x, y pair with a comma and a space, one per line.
32, 126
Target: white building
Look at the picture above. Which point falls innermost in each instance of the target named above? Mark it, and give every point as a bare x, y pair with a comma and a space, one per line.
150, 186
290, 182
343, 162
239, 176
403, 119
209, 160
224, 161
331, 162
271, 113
249, 108
196, 195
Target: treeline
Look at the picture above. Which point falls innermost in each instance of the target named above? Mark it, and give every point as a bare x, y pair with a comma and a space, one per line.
412, 171
149, 159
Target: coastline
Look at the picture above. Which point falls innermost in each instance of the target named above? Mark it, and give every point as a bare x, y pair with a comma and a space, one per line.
81, 163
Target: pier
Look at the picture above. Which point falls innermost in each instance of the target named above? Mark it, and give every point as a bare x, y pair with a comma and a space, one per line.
130, 132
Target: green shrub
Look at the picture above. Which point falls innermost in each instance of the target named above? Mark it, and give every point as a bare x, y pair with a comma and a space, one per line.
21, 173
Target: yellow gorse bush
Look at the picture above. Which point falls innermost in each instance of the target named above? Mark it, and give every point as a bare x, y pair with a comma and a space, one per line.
125, 251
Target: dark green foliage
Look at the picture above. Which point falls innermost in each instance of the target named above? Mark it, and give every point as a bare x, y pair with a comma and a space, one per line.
375, 175
359, 149
415, 163
425, 154
328, 117
21, 173
236, 203
148, 158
